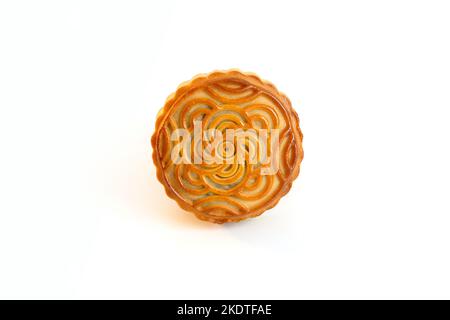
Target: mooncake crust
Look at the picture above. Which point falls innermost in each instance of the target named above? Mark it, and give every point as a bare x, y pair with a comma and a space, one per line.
202, 81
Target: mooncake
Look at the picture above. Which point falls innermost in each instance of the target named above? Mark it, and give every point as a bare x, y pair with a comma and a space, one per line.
227, 146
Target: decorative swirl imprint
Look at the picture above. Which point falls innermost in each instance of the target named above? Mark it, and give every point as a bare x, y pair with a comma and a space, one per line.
219, 176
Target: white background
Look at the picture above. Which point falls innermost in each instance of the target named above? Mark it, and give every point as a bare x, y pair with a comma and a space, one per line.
83, 216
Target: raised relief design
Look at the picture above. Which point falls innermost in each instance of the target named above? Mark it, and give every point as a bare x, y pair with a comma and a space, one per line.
227, 146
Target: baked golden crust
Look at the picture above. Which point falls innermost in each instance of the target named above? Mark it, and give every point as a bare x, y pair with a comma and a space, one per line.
222, 100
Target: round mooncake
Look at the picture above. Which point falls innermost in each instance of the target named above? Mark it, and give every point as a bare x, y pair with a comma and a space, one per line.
227, 146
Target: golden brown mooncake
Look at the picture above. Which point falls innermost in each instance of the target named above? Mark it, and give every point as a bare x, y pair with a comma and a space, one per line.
227, 146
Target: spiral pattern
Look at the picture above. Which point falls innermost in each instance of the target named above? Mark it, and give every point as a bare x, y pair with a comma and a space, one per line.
237, 188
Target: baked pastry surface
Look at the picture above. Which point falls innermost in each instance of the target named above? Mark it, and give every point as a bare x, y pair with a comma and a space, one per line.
241, 186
